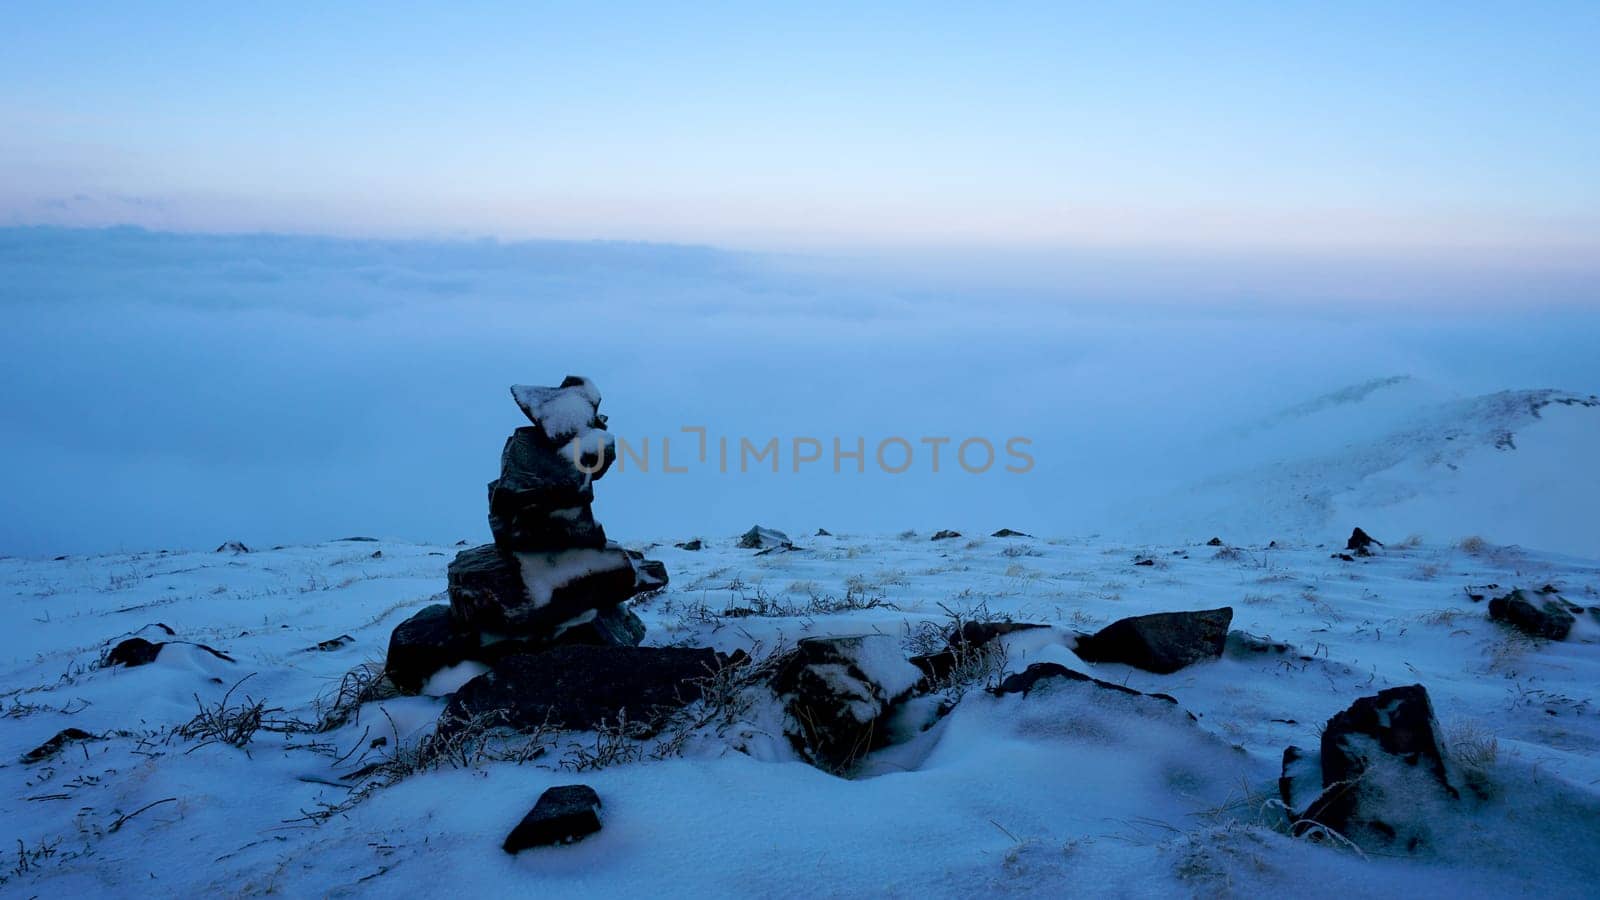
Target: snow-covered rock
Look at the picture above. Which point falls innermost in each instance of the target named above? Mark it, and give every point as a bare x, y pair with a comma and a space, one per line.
838, 692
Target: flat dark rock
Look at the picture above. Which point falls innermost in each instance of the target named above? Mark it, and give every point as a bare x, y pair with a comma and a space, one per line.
1160, 642
583, 687
977, 634
488, 592
563, 814
945, 535
1006, 532
691, 546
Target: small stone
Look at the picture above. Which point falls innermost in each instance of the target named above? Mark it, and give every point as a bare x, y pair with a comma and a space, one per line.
562, 815
945, 535
692, 546
232, 547
1006, 532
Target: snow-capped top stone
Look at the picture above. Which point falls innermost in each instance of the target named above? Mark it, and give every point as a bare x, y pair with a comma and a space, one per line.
563, 411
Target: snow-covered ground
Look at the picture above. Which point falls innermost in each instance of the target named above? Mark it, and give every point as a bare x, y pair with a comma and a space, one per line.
1053, 794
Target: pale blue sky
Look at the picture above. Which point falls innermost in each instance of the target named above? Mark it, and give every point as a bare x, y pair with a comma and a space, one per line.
1398, 129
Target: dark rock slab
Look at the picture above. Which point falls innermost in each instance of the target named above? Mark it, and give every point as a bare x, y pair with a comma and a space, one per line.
977, 634
1160, 642
838, 691
563, 814
531, 594
1006, 532
583, 687
692, 546
424, 644
945, 535
55, 745
1540, 616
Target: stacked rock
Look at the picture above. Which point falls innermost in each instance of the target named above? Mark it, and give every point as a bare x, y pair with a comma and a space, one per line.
550, 577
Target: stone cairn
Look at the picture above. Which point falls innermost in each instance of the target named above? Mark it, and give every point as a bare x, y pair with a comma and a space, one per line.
550, 578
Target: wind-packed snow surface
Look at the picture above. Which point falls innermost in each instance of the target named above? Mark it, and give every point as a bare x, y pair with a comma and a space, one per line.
1073, 790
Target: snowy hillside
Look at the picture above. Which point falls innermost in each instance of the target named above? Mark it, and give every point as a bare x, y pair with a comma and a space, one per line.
1048, 794
1404, 456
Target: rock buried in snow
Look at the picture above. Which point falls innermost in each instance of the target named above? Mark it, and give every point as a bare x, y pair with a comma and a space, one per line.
424, 644
759, 538
945, 535
562, 815
232, 547
581, 687
1031, 678
135, 651
1361, 543
55, 745
977, 634
837, 692
1382, 766
532, 593
1006, 532
1544, 617
692, 546
1160, 642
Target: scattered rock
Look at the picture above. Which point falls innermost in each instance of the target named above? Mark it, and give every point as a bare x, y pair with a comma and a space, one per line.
1214, 542
759, 538
55, 745
1161, 642
838, 692
1344, 556
562, 815
694, 545
376, 554
582, 687
1006, 532
332, 643
424, 644
945, 535
1361, 543
1146, 561
1543, 617
232, 547
358, 540
977, 634
823, 532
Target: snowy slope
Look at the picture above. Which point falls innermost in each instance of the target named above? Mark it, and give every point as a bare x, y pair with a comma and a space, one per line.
1045, 796
1405, 456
